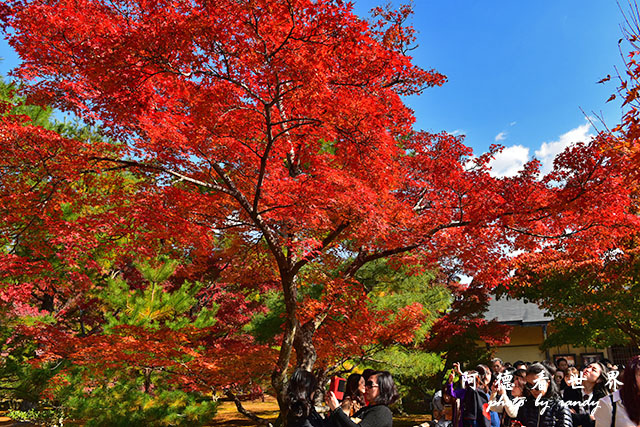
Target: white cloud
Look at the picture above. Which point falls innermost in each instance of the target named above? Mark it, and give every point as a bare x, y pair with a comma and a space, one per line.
509, 161
470, 163
549, 150
464, 279
458, 132
501, 136
512, 123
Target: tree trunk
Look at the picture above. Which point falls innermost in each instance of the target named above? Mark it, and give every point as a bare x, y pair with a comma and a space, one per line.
147, 380
279, 375
306, 354
296, 337
47, 303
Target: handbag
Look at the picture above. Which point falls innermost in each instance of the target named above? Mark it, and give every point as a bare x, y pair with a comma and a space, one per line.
614, 406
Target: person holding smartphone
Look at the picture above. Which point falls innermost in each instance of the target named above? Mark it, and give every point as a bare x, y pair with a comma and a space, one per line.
473, 397
380, 392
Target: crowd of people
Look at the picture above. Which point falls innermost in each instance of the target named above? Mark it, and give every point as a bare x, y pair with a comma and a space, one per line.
519, 395
541, 395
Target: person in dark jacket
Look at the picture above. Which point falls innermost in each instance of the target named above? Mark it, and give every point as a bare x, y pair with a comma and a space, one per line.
380, 392
474, 397
543, 406
583, 401
300, 391
476, 401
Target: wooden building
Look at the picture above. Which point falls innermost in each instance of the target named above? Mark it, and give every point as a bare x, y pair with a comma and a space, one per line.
530, 325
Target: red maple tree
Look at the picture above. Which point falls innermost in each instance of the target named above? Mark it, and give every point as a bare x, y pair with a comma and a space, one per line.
269, 142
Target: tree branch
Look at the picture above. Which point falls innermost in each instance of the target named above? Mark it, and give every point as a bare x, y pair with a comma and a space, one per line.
180, 176
247, 413
557, 236
325, 243
256, 217
362, 258
263, 158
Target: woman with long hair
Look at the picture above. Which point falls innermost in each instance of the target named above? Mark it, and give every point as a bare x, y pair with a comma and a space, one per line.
353, 399
582, 401
380, 392
476, 399
506, 403
473, 397
543, 406
622, 408
300, 392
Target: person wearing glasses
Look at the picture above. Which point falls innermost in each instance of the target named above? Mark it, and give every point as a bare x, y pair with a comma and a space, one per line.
543, 406
380, 392
507, 402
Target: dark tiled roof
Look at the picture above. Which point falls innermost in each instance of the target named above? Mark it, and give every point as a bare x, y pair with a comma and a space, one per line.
516, 312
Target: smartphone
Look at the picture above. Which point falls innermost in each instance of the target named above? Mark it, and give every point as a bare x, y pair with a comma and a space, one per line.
338, 386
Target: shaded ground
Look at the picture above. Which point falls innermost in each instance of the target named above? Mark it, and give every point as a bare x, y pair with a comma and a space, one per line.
8, 422
228, 416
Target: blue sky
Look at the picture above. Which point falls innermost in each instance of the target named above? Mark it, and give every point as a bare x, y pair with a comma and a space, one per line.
519, 72
518, 69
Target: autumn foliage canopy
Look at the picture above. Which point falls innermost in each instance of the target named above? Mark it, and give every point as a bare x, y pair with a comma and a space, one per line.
265, 147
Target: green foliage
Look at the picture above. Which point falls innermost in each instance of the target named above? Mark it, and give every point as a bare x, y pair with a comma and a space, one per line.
265, 326
328, 147
591, 305
19, 379
90, 393
414, 371
410, 364
43, 116
133, 395
153, 307
391, 289
122, 402
48, 417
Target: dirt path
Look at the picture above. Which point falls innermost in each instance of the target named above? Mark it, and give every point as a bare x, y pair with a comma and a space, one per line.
228, 416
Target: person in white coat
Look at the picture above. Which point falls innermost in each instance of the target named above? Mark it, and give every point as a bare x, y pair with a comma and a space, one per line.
622, 408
